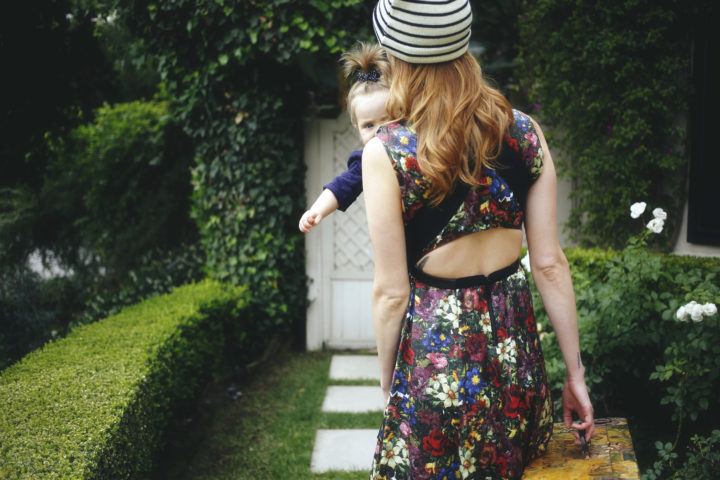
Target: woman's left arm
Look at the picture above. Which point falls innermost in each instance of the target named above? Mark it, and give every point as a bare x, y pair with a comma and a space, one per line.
391, 287
551, 274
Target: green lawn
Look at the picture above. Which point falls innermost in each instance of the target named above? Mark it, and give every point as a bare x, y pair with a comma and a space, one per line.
268, 433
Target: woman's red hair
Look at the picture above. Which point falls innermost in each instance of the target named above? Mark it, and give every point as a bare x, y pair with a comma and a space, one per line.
459, 118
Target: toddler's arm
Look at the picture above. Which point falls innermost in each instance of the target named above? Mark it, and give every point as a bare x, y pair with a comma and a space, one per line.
338, 194
348, 185
325, 204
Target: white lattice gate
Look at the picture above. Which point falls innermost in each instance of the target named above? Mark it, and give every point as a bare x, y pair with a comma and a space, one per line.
339, 254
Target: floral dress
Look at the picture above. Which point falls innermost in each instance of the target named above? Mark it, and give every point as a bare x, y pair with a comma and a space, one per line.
469, 398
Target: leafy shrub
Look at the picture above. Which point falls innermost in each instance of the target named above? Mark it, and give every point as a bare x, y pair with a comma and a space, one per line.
641, 362
157, 272
613, 78
94, 404
60, 73
703, 459
33, 310
119, 187
113, 210
17, 207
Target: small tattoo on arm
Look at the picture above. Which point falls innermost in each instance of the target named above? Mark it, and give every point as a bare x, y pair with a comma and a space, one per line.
579, 362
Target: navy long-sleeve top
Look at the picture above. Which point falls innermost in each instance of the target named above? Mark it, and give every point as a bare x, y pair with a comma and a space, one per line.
348, 185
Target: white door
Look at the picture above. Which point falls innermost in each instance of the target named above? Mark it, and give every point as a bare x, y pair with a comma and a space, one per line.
339, 254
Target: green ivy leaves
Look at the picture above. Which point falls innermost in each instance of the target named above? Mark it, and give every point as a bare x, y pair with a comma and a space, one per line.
612, 80
241, 73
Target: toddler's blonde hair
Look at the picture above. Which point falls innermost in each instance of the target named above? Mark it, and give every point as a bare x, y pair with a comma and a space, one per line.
368, 70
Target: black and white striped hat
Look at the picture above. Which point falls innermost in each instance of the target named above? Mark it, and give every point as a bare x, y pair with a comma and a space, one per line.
423, 31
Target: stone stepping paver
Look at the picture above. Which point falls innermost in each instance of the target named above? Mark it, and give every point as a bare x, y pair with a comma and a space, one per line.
347, 450
353, 399
354, 367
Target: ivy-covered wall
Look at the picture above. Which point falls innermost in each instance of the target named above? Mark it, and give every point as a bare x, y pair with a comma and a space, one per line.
244, 75
612, 79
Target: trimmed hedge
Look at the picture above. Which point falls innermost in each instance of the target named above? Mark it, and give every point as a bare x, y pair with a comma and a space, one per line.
95, 404
595, 261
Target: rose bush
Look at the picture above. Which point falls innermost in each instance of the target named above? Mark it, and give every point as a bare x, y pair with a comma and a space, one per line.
641, 362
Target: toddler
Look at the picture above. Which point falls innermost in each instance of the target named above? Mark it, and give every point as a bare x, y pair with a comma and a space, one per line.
366, 105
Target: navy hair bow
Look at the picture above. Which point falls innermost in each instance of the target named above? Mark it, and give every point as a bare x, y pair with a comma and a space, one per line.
371, 76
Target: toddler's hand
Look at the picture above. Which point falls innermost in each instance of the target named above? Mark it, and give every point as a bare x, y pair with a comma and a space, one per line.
309, 220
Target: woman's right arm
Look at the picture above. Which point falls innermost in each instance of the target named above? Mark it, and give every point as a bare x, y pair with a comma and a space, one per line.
551, 273
391, 285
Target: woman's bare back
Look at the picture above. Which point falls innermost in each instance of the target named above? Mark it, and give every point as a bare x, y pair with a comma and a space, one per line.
479, 253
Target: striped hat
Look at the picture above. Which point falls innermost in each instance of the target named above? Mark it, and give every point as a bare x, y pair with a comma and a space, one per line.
423, 31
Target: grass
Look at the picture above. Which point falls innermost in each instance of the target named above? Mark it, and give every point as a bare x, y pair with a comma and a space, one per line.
267, 433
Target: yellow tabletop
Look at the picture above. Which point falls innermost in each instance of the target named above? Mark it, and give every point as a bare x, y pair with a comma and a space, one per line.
611, 455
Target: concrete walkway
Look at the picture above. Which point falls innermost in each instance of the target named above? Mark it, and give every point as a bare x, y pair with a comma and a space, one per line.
348, 450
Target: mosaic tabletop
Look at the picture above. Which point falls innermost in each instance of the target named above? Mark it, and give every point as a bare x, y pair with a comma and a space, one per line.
611, 455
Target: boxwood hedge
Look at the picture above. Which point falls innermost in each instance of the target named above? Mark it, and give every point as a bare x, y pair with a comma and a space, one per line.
95, 404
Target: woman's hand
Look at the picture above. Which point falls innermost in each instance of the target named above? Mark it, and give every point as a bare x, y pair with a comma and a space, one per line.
575, 399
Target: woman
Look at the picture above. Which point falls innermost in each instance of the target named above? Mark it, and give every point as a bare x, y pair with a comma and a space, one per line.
448, 186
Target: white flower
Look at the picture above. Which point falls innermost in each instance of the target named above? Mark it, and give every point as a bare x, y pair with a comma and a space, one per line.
526, 261
486, 323
660, 214
655, 225
695, 310
507, 350
449, 394
397, 455
467, 463
449, 309
709, 309
444, 389
637, 209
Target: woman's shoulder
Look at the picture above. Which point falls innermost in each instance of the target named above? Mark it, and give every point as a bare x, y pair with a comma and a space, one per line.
522, 123
523, 138
400, 142
392, 130
399, 138
522, 131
